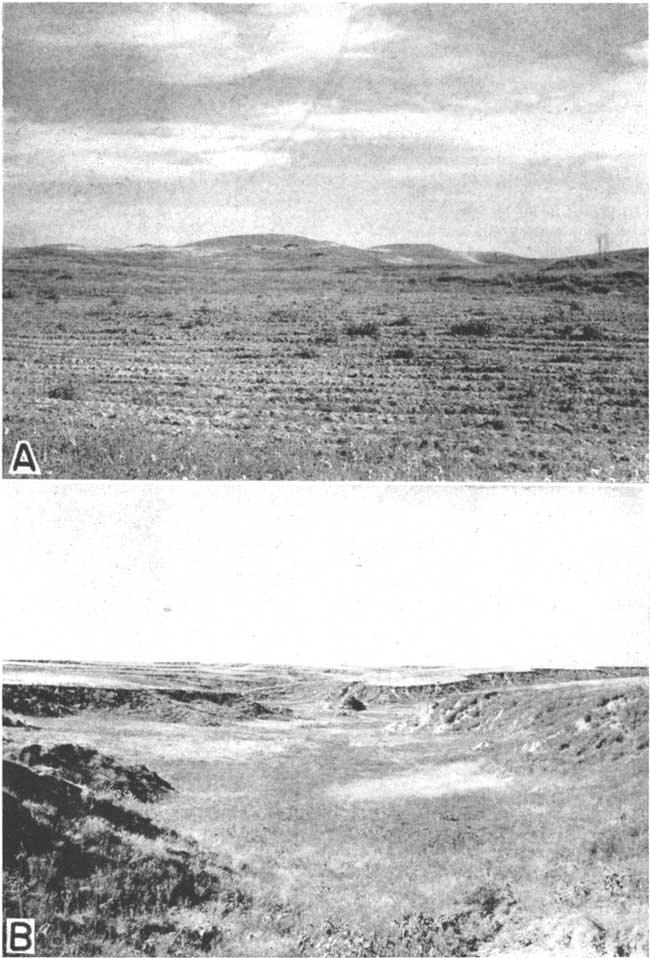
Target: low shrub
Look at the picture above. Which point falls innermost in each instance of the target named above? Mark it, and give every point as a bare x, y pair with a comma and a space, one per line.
473, 327
404, 352
66, 391
369, 328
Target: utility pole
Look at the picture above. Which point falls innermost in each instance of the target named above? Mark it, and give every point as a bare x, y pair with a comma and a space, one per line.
603, 243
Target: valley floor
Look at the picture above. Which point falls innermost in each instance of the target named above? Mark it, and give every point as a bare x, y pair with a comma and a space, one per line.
482, 821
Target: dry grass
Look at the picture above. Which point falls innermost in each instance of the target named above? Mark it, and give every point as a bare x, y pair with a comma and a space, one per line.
135, 366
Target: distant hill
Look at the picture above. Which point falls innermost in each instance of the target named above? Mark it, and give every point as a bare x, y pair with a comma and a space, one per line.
258, 242
281, 248
636, 258
498, 258
289, 245
427, 254
52, 248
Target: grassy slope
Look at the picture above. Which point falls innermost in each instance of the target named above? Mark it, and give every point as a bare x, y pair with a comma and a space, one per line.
101, 878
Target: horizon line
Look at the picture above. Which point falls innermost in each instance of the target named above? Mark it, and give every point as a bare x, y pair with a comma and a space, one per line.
70, 245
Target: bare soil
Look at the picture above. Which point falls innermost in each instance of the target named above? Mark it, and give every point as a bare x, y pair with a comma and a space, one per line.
430, 782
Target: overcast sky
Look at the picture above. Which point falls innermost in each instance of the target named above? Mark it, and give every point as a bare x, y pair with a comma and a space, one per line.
501, 126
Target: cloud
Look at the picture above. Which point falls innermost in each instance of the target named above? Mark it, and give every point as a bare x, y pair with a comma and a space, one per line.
607, 119
154, 26
184, 44
638, 52
166, 25
68, 153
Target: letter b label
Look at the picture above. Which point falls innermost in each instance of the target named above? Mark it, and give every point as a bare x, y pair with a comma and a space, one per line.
20, 936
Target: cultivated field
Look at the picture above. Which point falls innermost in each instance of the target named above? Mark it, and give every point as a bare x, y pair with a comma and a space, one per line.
283, 358
266, 812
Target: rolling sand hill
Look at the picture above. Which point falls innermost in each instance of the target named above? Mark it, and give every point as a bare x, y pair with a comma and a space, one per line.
281, 249
426, 254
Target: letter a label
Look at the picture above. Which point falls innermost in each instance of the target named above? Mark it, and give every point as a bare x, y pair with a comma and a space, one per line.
24, 462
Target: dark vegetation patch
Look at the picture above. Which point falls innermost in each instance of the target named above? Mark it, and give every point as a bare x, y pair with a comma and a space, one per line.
70, 800
463, 932
473, 327
576, 275
171, 705
69, 392
370, 329
404, 352
86, 870
597, 281
11, 721
102, 773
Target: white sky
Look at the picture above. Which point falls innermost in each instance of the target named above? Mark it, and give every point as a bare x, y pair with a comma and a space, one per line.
326, 574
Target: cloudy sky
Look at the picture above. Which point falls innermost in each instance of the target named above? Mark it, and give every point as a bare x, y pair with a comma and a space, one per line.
477, 126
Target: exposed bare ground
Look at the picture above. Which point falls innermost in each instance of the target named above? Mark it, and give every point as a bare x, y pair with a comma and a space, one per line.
424, 782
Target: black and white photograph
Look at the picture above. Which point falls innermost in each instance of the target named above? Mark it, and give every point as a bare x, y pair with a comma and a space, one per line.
325, 241
274, 739
375, 276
